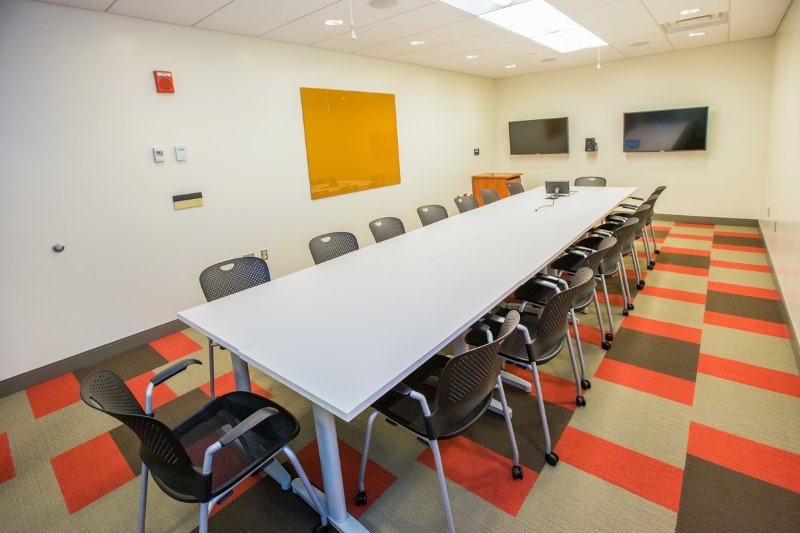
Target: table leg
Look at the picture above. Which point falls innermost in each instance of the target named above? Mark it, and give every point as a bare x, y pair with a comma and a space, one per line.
241, 376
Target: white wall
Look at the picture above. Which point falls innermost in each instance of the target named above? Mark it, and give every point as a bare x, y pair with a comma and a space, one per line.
733, 80
782, 227
79, 115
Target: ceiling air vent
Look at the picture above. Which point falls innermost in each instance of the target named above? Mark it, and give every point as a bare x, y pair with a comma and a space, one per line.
695, 23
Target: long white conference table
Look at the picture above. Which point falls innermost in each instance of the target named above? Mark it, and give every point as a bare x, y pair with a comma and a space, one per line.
344, 332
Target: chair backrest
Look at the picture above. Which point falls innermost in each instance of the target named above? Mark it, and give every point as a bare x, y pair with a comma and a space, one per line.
626, 234
465, 386
159, 448
465, 203
428, 214
514, 187
582, 286
642, 213
229, 277
553, 324
386, 228
609, 263
332, 245
489, 196
590, 181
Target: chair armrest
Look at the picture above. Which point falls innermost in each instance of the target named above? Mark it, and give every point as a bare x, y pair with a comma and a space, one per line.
629, 206
604, 233
552, 279
237, 431
170, 371
402, 388
163, 376
247, 424
636, 198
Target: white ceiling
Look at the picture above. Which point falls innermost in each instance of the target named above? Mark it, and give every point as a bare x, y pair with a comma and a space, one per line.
630, 27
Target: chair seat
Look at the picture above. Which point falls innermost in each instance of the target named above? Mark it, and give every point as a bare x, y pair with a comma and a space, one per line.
205, 427
405, 410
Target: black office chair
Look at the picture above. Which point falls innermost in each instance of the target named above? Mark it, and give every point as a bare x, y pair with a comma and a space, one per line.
428, 214
649, 223
640, 214
549, 331
443, 398
206, 456
610, 265
386, 228
489, 196
514, 188
332, 245
465, 203
226, 278
590, 181
601, 260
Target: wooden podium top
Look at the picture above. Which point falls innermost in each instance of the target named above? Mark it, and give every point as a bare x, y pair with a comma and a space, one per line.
500, 175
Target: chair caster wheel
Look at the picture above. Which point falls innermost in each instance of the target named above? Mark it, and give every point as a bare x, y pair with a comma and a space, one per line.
658, 252
653, 263
586, 384
640, 285
361, 498
551, 458
609, 336
650, 267
321, 529
580, 401
630, 307
606, 345
516, 472
625, 312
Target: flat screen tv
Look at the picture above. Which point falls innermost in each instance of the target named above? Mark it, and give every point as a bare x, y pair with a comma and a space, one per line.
667, 130
541, 136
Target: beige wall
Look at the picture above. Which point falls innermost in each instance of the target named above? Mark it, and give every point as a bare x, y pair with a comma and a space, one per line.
75, 138
732, 80
782, 227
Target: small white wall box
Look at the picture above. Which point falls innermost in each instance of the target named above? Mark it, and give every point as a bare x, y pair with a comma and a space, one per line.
158, 154
180, 153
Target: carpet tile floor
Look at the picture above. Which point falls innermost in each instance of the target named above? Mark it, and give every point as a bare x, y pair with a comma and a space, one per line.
692, 423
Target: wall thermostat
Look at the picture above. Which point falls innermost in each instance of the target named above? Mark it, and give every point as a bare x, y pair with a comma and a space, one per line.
591, 144
158, 154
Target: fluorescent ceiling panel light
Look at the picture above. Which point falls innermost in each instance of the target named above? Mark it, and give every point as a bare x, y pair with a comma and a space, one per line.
334, 22
534, 19
690, 11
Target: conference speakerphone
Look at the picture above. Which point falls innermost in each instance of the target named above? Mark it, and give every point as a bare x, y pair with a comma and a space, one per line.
557, 188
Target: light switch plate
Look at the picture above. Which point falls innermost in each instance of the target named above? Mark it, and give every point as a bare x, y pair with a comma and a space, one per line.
180, 153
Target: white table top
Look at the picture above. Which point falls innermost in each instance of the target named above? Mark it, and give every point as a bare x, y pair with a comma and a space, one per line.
344, 332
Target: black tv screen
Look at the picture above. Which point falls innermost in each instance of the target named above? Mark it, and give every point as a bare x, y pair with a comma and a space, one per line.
541, 136
667, 130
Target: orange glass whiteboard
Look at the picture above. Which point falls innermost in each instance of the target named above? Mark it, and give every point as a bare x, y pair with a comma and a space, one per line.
351, 141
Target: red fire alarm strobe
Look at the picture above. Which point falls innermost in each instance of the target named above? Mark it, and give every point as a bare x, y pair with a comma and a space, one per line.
164, 81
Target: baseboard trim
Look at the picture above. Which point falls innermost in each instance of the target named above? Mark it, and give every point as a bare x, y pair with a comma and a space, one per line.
787, 318
749, 222
90, 357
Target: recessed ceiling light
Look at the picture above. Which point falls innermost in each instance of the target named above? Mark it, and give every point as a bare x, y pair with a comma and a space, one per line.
472, 56
697, 33
511, 66
690, 11
640, 43
334, 22
416, 43
382, 4
548, 59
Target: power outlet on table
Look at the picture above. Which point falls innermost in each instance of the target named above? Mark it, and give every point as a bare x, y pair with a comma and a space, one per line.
264, 254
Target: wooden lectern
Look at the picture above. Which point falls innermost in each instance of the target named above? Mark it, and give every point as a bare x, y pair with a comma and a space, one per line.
494, 180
